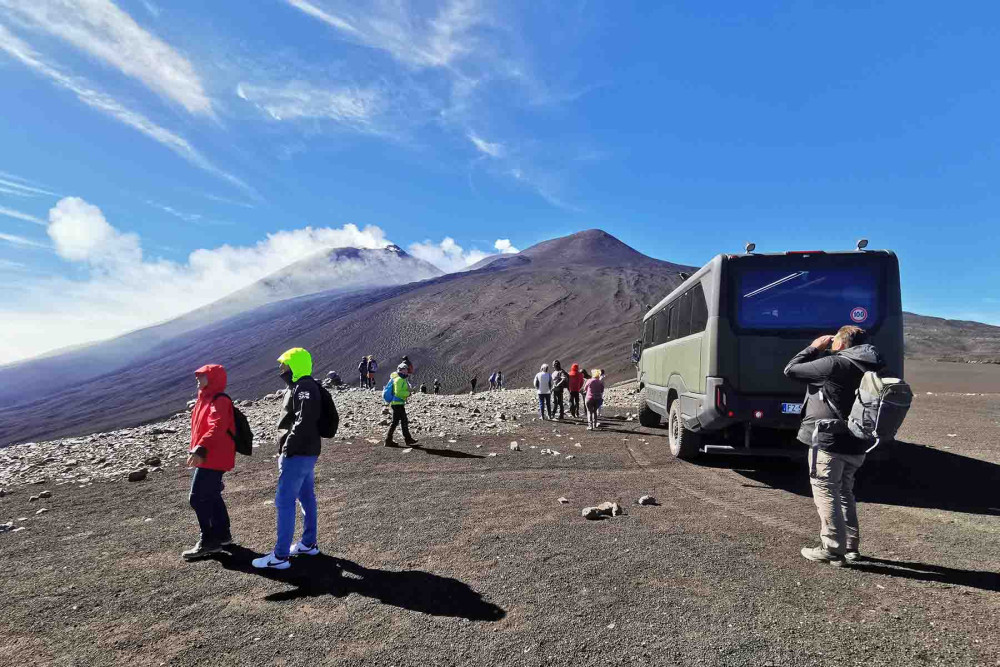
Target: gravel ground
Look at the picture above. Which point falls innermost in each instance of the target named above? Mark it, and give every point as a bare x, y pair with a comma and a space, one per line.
444, 555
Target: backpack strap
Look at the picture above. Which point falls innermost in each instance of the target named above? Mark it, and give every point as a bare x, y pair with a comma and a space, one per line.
222, 393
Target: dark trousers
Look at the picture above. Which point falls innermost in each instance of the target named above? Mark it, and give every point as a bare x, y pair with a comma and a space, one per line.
206, 499
399, 418
574, 403
558, 404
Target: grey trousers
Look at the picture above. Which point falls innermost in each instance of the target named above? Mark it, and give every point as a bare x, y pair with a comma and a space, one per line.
832, 480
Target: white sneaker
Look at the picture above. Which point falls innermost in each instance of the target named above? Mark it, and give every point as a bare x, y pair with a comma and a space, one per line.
590, 428
299, 549
271, 562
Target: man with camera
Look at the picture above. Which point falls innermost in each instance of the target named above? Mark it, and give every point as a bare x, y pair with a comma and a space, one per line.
832, 367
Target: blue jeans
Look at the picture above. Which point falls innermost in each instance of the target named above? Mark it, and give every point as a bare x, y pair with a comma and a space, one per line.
206, 499
295, 482
544, 406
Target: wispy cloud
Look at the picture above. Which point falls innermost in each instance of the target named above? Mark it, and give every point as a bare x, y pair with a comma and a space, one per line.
19, 215
21, 241
102, 30
354, 107
491, 149
106, 104
16, 185
448, 256
418, 41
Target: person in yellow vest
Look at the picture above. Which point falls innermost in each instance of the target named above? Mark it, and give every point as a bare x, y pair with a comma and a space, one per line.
400, 392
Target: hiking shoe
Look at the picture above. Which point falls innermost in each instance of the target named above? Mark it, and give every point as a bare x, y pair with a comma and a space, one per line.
200, 550
390, 443
821, 555
299, 549
853, 556
410, 442
271, 562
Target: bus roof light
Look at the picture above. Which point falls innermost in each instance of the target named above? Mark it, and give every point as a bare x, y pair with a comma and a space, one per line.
750, 246
862, 244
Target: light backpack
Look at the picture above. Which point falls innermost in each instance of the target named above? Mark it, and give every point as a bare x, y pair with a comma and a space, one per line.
880, 406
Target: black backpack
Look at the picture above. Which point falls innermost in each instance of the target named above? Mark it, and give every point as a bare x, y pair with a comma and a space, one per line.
329, 420
243, 437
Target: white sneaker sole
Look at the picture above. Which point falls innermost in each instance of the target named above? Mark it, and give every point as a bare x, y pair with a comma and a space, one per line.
273, 565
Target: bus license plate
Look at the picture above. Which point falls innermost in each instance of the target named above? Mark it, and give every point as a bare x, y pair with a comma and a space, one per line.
791, 408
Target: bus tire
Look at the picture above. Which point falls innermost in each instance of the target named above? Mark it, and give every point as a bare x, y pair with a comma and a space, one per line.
684, 444
648, 417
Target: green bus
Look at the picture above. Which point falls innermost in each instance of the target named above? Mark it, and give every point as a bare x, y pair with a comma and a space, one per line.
711, 354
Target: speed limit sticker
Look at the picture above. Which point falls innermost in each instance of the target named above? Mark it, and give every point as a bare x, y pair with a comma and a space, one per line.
859, 314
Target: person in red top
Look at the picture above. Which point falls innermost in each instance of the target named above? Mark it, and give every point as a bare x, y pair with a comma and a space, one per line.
212, 452
575, 385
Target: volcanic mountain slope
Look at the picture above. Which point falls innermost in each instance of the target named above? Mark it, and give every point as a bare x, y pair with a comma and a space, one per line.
336, 270
579, 298
950, 340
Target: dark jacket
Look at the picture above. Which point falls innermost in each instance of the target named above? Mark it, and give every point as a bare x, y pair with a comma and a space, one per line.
298, 426
831, 378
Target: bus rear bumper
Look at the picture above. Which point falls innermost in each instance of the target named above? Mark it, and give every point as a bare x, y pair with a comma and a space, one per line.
720, 408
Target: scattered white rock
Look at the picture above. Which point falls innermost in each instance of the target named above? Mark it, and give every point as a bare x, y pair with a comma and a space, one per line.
408, 450
491, 454
563, 500
514, 447
42, 511
647, 500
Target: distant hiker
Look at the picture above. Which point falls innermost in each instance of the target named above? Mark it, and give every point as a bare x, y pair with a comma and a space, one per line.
437, 386
499, 380
832, 367
575, 384
363, 372
493, 381
409, 365
594, 399
372, 368
400, 392
559, 383
423, 388
212, 452
299, 444
543, 384
472, 381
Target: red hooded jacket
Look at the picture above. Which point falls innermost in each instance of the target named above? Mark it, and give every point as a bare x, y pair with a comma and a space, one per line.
212, 422
575, 378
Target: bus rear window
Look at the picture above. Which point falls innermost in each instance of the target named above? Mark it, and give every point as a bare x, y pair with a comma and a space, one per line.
807, 297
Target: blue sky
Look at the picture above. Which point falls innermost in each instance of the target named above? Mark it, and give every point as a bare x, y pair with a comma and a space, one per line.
155, 155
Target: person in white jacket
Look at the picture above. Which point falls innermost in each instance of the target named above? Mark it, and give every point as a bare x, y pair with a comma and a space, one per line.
543, 383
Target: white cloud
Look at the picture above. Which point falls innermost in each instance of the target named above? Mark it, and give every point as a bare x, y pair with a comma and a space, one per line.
18, 215
446, 255
21, 241
81, 234
505, 247
104, 31
487, 148
110, 106
354, 107
125, 290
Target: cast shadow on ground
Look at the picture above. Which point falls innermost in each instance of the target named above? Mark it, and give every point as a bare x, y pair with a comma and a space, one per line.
446, 453
986, 581
312, 576
902, 474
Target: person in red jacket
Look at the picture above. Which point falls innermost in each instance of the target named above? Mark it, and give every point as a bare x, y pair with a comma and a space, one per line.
575, 386
212, 452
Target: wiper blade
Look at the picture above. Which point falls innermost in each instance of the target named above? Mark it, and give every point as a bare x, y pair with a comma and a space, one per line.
775, 283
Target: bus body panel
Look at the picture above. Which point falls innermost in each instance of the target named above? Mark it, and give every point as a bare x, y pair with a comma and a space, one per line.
744, 366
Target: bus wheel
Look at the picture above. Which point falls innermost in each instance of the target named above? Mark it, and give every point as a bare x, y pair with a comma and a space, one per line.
684, 444
647, 416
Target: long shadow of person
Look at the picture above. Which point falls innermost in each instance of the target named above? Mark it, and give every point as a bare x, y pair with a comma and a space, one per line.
312, 576
902, 473
987, 581
446, 453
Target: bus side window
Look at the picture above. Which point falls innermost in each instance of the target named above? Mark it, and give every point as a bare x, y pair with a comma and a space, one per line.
647, 333
662, 328
699, 309
672, 322
680, 326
